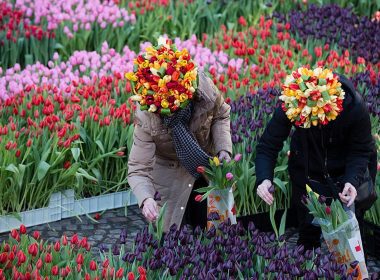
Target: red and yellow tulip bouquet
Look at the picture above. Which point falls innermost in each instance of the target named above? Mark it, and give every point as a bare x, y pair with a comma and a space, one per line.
312, 97
164, 78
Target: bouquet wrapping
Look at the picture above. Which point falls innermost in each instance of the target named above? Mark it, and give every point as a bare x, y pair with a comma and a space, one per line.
220, 207
341, 232
219, 193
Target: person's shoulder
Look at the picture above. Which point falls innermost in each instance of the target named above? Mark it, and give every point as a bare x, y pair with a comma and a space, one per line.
206, 88
142, 118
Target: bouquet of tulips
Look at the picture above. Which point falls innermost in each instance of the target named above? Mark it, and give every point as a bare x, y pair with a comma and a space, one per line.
340, 230
164, 78
312, 97
219, 193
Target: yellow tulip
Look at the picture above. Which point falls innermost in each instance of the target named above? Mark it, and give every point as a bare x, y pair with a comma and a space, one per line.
183, 97
131, 76
164, 104
216, 161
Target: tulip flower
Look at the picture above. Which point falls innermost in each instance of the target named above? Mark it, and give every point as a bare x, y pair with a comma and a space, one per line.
229, 176
120, 273
201, 169
93, 265
130, 276
22, 229
198, 198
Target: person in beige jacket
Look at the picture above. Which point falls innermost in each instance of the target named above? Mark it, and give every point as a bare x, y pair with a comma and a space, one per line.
154, 167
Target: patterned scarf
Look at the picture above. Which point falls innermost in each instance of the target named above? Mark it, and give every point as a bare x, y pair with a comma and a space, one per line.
188, 151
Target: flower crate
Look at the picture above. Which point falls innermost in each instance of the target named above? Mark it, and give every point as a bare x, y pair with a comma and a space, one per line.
63, 205
72, 207
262, 220
371, 239
34, 217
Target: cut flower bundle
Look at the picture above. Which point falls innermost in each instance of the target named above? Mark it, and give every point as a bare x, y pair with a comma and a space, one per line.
312, 97
341, 232
164, 78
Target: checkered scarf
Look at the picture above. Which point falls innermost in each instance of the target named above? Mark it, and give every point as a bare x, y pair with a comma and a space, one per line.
188, 151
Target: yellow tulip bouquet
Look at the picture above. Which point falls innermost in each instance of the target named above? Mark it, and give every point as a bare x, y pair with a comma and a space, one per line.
312, 97
164, 78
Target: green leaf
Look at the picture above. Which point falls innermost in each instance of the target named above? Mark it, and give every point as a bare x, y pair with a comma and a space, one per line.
281, 230
100, 145
76, 153
42, 169
85, 174
280, 168
280, 184
12, 168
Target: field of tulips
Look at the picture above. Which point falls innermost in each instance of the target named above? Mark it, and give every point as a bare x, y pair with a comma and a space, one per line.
66, 121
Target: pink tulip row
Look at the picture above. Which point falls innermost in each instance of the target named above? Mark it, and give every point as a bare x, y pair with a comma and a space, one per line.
87, 65
80, 13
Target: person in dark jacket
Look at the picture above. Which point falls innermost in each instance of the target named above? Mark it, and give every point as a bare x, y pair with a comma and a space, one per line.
342, 148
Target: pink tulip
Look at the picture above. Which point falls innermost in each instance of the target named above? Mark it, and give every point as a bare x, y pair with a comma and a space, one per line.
229, 176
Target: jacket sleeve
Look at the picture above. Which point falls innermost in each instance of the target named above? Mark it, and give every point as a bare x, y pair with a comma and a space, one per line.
270, 145
141, 161
221, 126
359, 145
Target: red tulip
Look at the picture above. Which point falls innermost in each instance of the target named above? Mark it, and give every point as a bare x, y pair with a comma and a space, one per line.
201, 169
79, 267
198, 198
36, 234
87, 276
111, 272
3, 257
48, 258
80, 259
106, 263
242, 21
97, 216
39, 264
7, 248
119, 273
22, 229
21, 258
141, 270
93, 265
328, 210
14, 233
33, 249
130, 276
57, 246
64, 240
29, 143
54, 270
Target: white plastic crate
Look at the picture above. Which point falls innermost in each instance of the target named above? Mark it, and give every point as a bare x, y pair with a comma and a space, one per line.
99, 203
63, 205
34, 217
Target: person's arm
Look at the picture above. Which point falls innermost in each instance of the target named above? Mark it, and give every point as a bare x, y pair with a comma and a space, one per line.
359, 146
221, 127
140, 163
270, 144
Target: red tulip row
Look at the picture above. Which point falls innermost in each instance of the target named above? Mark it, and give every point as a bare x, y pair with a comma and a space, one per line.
26, 257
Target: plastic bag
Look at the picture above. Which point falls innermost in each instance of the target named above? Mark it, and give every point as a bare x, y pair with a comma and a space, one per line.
221, 202
345, 243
